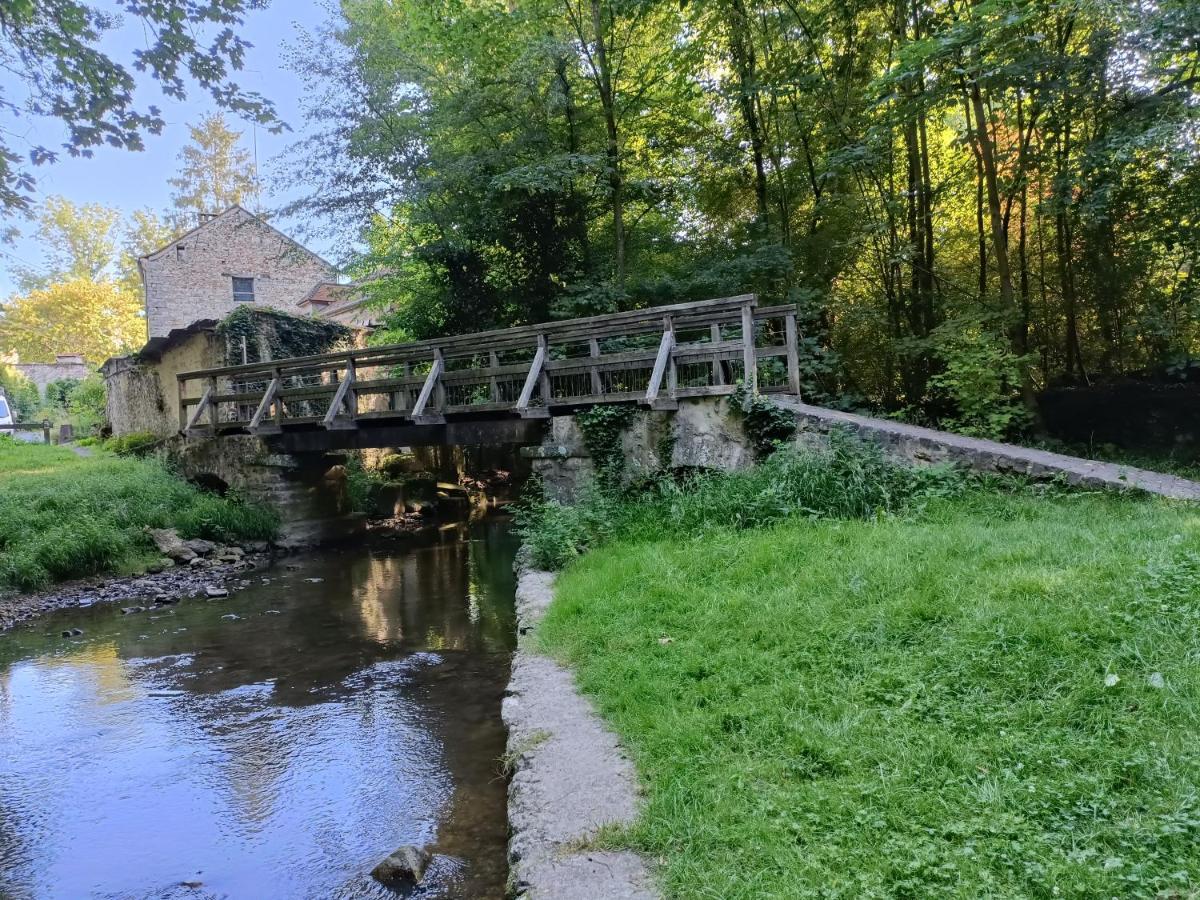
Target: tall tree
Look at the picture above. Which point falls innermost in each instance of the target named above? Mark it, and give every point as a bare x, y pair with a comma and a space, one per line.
215, 171
95, 319
77, 241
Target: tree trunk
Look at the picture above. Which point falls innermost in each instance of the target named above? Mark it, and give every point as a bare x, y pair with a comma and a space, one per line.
616, 181
741, 48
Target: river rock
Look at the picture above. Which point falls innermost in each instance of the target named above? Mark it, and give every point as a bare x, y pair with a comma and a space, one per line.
170, 544
199, 546
214, 592
403, 866
73, 632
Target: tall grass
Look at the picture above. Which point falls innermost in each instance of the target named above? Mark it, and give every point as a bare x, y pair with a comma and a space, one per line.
63, 516
850, 480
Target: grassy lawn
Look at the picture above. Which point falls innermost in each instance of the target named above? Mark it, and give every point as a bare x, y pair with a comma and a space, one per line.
64, 516
996, 696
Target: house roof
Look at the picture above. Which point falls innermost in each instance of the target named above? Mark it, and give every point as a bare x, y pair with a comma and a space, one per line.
237, 207
326, 292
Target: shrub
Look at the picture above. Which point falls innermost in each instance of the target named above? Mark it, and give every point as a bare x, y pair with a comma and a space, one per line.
850, 480
86, 405
136, 443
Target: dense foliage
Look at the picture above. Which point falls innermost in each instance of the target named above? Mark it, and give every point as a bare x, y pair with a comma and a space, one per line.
63, 516
968, 200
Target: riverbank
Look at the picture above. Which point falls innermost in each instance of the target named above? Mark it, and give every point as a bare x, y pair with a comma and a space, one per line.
65, 516
877, 686
570, 779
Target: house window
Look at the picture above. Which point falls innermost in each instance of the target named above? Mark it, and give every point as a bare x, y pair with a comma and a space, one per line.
243, 290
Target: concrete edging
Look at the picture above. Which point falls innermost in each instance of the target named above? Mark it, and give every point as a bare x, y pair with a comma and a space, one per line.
570, 776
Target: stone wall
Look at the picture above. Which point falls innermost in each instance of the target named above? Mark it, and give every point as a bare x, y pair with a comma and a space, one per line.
192, 278
704, 434
142, 392
41, 374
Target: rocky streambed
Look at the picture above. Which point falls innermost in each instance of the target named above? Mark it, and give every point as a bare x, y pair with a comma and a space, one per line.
188, 569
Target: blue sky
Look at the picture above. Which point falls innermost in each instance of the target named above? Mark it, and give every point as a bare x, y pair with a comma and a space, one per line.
131, 181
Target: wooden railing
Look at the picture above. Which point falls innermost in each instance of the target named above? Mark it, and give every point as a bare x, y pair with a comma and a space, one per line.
653, 356
43, 427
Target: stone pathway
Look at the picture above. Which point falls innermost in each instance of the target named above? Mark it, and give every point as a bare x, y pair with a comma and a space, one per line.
570, 777
927, 445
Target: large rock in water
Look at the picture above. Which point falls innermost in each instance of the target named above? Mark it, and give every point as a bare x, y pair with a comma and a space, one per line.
404, 866
170, 544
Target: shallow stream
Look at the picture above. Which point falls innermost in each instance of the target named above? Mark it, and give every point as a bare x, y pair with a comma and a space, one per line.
277, 743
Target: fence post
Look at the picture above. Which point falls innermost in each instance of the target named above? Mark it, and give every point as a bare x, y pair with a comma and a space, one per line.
749, 357
46, 431
793, 354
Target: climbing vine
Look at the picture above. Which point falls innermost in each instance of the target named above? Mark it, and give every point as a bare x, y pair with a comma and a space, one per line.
602, 427
269, 334
767, 425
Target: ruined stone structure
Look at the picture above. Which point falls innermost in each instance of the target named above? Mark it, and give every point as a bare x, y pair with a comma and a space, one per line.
65, 365
229, 260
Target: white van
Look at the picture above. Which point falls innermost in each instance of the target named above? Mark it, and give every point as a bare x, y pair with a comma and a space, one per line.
5, 411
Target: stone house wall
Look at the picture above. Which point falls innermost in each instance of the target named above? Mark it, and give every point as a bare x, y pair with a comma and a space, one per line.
191, 279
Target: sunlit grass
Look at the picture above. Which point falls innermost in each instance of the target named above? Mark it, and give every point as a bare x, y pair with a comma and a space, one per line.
64, 516
998, 696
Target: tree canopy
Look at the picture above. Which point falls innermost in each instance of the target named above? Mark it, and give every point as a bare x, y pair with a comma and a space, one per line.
52, 51
968, 200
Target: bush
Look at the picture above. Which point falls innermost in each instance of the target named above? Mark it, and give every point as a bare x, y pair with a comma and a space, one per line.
136, 443
850, 480
86, 405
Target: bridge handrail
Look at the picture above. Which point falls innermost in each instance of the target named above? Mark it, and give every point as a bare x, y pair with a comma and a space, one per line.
287, 388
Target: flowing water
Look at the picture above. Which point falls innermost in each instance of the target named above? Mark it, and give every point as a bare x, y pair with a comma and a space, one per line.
277, 743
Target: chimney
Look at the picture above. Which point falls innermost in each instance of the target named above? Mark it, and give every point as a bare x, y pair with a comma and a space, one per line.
207, 217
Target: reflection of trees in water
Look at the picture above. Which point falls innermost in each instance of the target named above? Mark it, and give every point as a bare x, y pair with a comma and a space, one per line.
256, 694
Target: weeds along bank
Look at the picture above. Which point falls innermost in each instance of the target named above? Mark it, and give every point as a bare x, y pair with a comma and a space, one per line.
840, 677
65, 516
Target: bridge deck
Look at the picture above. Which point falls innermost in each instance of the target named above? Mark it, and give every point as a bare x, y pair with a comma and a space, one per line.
652, 357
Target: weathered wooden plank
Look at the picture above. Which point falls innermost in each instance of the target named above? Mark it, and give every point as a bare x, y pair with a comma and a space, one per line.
201, 405
533, 377
660, 365
268, 398
335, 405
431, 379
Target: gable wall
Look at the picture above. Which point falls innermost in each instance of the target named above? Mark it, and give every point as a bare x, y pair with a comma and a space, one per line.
198, 285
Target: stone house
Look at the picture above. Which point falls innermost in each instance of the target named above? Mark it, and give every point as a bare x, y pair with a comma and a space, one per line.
229, 260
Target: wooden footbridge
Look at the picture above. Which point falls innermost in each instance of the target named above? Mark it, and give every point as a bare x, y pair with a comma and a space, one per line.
493, 386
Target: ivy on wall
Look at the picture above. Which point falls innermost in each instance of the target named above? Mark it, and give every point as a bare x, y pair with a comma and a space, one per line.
602, 427
268, 334
767, 425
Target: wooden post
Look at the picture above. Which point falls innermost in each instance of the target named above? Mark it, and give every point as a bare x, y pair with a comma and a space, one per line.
749, 358
183, 416
718, 371
351, 390
793, 353
493, 384
597, 381
672, 369
213, 406
544, 343
278, 377
45, 431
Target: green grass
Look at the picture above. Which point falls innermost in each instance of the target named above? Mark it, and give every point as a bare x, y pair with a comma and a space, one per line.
994, 695
64, 516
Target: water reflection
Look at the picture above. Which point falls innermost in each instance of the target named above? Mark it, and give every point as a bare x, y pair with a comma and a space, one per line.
351, 706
